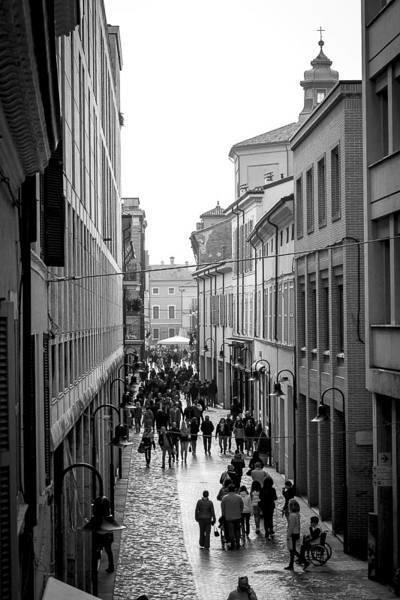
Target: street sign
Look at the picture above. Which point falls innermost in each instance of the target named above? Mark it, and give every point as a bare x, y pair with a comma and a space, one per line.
382, 476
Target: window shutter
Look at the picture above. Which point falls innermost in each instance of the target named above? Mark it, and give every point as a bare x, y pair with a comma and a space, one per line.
46, 407
8, 470
54, 210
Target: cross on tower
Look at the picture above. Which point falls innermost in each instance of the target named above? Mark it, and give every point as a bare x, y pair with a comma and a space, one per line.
320, 33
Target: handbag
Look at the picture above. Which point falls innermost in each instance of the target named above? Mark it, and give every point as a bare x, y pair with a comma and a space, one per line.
141, 449
216, 532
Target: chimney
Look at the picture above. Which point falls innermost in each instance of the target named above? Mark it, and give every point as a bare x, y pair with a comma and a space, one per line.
171, 259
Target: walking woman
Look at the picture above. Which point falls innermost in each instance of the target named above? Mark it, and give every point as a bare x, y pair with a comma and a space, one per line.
268, 497
255, 496
184, 439
148, 442
238, 432
293, 532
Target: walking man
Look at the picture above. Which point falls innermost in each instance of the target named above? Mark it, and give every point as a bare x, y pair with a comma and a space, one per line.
205, 516
207, 427
231, 509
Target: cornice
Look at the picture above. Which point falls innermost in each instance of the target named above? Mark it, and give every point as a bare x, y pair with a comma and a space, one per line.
66, 16
20, 93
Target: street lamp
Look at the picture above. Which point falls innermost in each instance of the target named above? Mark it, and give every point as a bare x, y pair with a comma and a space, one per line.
323, 410
279, 393
119, 440
321, 417
256, 373
99, 524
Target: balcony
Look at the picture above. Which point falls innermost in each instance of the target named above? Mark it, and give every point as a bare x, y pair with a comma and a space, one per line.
385, 186
385, 347
383, 42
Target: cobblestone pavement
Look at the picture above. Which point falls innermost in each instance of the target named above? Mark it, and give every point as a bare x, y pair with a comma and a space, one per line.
160, 555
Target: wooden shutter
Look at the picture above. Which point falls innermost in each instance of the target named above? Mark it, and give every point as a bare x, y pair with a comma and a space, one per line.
54, 210
8, 452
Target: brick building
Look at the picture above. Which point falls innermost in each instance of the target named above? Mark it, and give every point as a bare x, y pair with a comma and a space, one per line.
134, 254
381, 110
334, 452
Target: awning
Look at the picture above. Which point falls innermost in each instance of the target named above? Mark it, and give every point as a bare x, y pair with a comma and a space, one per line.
58, 590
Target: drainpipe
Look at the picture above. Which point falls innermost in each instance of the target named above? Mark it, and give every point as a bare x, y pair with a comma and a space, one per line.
276, 279
237, 270
262, 277
198, 326
243, 262
223, 335
353, 239
255, 289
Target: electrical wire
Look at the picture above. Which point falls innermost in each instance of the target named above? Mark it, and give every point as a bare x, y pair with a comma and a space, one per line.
215, 264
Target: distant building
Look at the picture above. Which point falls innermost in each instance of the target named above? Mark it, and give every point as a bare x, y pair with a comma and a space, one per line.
134, 255
212, 249
381, 125
172, 300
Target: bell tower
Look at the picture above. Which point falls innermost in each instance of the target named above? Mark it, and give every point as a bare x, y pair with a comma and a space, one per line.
317, 81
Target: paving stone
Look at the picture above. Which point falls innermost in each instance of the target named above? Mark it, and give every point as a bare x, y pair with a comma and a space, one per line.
159, 553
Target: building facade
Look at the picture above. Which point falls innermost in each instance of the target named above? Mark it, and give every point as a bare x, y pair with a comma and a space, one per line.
80, 325
172, 298
274, 323
133, 236
381, 110
334, 418
30, 154
212, 249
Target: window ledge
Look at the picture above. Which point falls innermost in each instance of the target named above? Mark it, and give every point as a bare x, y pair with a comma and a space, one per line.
327, 353
383, 159
385, 325
340, 356
303, 349
314, 351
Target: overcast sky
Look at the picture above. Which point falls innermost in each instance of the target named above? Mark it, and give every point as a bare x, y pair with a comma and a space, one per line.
199, 76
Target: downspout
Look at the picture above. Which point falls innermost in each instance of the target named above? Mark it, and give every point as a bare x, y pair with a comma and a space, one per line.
262, 279
276, 279
223, 333
353, 239
198, 326
243, 268
255, 289
237, 271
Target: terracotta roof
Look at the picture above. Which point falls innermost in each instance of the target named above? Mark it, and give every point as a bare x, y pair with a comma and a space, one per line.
217, 211
282, 134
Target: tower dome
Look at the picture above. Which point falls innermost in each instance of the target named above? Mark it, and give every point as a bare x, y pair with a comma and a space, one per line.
317, 81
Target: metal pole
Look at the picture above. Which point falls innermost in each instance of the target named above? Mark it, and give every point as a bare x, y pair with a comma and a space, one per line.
101, 493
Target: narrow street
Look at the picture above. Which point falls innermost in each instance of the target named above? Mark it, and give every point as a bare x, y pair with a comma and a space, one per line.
160, 556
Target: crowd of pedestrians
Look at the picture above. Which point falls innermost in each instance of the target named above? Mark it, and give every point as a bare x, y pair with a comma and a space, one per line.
171, 403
